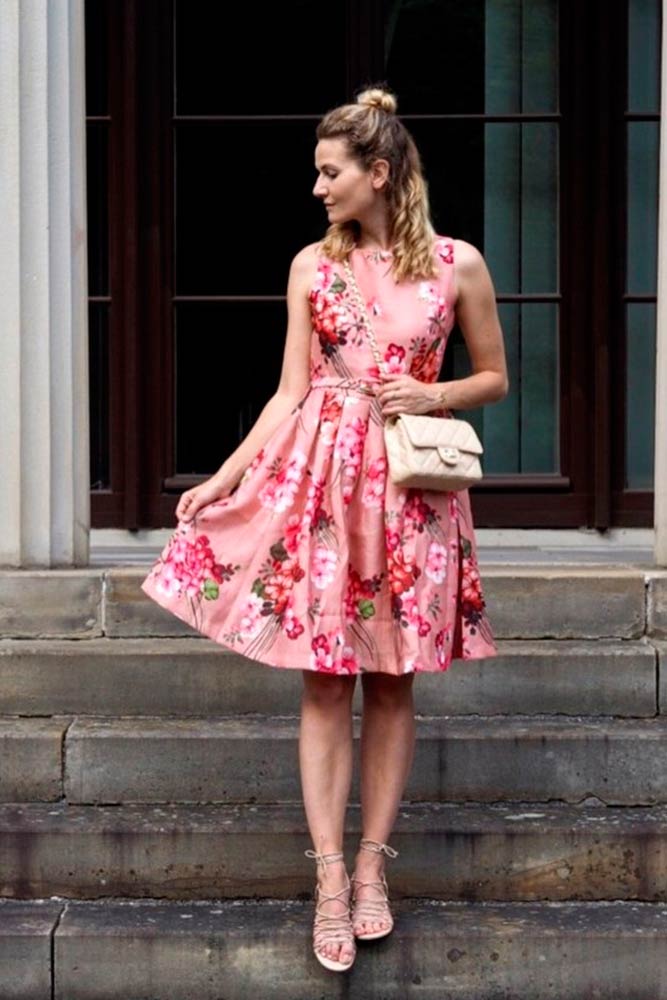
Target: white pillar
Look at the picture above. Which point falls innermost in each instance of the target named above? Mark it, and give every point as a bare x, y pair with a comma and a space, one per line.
661, 331
44, 443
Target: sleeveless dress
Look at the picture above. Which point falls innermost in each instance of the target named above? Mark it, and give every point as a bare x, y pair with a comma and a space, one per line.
316, 560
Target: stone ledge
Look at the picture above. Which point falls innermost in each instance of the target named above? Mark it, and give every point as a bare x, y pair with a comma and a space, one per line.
522, 851
26, 930
194, 676
479, 951
483, 759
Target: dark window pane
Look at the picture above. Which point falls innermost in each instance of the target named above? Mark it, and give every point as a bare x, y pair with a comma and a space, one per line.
277, 59
97, 136
453, 157
521, 432
640, 398
244, 205
642, 211
435, 55
498, 57
97, 63
644, 55
227, 362
98, 349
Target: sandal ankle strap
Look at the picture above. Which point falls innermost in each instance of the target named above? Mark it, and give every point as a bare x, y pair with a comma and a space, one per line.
324, 859
375, 847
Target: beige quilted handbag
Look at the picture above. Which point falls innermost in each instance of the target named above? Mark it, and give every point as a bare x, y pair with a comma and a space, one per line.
433, 453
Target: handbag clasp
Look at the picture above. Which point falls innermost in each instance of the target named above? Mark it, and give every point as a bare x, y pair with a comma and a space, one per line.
450, 455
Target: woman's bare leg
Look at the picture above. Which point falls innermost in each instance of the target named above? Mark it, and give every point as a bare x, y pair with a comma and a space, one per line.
388, 732
325, 759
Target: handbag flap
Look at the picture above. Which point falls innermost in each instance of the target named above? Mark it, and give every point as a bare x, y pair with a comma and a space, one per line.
440, 432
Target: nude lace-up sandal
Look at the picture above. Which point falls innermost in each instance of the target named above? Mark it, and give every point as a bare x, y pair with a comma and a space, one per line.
327, 928
373, 910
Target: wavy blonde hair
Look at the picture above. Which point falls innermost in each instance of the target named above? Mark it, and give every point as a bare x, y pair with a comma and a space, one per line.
372, 131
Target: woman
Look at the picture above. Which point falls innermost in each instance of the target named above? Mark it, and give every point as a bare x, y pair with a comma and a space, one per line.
300, 552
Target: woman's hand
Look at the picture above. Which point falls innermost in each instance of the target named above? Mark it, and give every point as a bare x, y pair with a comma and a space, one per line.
405, 394
194, 499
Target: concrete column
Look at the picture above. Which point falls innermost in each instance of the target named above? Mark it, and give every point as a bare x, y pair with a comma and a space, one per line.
44, 443
660, 516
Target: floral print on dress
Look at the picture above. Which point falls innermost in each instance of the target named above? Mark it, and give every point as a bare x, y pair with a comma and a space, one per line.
317, 560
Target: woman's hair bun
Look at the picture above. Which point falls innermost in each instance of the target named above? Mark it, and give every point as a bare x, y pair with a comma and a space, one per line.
376, 97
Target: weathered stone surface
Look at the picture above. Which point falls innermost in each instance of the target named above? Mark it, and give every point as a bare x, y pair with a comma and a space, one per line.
657, 605
566, 602
50, 603
473, 951
193, 677
128, 611
31, 755
521, 851
568, 677
485, 759
25, 948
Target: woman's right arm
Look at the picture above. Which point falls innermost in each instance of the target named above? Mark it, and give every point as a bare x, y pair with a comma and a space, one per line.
292, 387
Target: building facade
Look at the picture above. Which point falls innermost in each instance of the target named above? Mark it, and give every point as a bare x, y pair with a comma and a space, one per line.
539, 127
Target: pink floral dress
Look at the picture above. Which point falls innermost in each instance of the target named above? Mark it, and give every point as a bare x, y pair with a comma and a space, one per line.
316, 560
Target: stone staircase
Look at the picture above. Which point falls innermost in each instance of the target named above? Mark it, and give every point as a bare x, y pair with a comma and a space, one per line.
152, 830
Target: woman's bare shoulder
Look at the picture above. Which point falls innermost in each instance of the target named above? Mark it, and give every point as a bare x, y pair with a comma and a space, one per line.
466, 255
307, 256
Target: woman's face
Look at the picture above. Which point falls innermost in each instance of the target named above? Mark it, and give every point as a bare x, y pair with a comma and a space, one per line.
346, 189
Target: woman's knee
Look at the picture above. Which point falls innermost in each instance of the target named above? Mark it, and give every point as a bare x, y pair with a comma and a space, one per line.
387, 690
328, 689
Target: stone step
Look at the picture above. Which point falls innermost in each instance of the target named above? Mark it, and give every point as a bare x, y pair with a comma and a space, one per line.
255, 759
471, 951
527, 602
526, 851
193, 676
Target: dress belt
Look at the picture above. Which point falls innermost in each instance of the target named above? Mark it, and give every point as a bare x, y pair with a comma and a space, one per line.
361, 385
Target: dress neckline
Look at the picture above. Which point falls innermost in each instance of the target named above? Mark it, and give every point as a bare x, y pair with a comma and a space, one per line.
374, 253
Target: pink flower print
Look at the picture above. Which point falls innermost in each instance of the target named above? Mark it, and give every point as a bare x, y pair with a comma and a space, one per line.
321, 658
349, 661
446, 252
350, 443
410, 616
189, 567
374, 485
438, 312
279, 492
436, 562
417, 512
329, 418
427, 292
394, 359
313, 510
323, 566
291, 624
349, 448
251, 618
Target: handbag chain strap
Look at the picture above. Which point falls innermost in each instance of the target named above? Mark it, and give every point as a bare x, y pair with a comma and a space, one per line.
364, 312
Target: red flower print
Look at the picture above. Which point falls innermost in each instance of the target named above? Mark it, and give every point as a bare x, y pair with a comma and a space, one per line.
402, 571
189, 567
472, 601
446, 251
394, 359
